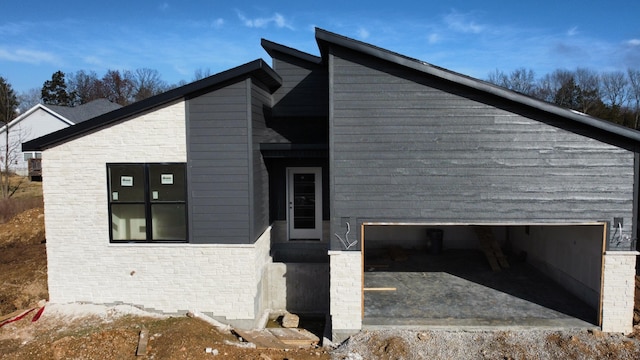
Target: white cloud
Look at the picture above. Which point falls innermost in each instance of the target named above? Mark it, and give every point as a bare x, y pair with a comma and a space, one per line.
573, 31
363, 33
93, 60
27, 56
461, 23
164, 6
280, 21
276, 19
634, 42
433, 38
217, 23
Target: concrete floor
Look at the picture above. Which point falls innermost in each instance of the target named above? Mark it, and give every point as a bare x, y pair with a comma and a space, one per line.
458, 289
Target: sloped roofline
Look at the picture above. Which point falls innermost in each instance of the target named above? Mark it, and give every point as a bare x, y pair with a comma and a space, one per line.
326, 38
33, 109
272, 48
257, 68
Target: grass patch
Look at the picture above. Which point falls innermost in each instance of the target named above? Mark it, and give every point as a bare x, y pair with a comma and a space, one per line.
13, 206
27, 195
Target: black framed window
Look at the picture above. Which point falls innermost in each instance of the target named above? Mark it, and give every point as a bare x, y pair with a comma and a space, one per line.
147, 202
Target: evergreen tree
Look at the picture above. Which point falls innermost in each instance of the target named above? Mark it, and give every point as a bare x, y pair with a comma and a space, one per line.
54, 91
8, 102
8, 105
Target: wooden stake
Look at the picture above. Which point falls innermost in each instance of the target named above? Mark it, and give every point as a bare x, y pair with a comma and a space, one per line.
381, 289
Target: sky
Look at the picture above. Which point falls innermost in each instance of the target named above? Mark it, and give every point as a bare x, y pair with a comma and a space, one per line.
177, 38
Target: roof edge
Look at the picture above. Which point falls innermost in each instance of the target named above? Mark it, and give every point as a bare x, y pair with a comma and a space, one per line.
268, 76
33, 109
324, 37
271, 48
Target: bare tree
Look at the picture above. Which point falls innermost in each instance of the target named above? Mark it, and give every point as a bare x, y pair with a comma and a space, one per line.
147, 83
615, 88
86, 86
549, 86
119, 86
29, 99
520, 80
498, 77
588, 82
634, 94
201, 73
523, 81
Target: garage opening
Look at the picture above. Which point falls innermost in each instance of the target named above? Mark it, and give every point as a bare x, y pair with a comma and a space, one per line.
533, 275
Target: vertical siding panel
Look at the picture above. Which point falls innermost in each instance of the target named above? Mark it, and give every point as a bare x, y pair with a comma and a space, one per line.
260, 99
304, 90
218, 164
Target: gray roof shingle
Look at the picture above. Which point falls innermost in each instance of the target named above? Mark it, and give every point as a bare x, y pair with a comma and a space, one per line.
80, 113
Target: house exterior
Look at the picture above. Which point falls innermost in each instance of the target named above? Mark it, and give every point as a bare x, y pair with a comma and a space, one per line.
44, 119
254, 189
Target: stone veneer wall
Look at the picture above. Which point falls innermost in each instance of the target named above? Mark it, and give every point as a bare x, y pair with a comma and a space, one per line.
618, 291
345, 291
84, 267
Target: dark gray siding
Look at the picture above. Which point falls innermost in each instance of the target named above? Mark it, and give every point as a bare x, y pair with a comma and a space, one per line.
261, 101
304, 91
406, 147
218, 166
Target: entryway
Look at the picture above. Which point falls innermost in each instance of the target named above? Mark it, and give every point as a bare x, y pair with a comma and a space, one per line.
304, 201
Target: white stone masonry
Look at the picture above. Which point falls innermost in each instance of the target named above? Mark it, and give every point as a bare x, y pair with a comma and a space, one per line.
83, 266
618, 291
346, 290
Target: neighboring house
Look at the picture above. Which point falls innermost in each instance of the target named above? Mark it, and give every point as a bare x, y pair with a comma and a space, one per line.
257, 188
41, 120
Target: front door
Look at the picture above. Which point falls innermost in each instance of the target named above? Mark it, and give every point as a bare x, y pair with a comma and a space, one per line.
304, 201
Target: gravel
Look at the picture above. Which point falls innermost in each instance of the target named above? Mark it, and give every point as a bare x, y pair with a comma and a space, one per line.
526, 344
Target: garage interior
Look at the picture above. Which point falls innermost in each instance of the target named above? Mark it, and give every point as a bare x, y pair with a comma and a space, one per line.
546, 276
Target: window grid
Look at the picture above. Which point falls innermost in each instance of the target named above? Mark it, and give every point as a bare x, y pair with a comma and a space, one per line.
147, 202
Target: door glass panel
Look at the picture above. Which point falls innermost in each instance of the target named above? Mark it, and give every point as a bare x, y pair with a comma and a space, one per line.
304, 201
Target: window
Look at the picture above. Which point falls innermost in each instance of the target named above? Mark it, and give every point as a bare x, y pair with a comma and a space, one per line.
32, 155
147, 202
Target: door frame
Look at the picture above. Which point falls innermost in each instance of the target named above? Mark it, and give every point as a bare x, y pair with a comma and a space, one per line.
316, 232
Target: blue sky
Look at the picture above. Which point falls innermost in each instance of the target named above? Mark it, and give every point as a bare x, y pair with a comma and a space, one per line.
174, 37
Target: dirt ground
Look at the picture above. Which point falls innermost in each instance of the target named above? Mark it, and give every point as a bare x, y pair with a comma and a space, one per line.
23, 282
113, 334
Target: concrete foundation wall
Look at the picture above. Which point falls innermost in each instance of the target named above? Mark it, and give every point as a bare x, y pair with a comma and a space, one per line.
297, 287
220, 280
571, 255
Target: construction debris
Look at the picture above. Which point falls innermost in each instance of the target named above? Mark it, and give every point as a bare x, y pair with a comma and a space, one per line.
208, 319
279, 338
299, 338
143, 340
263, 339
290, 320
491, 248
